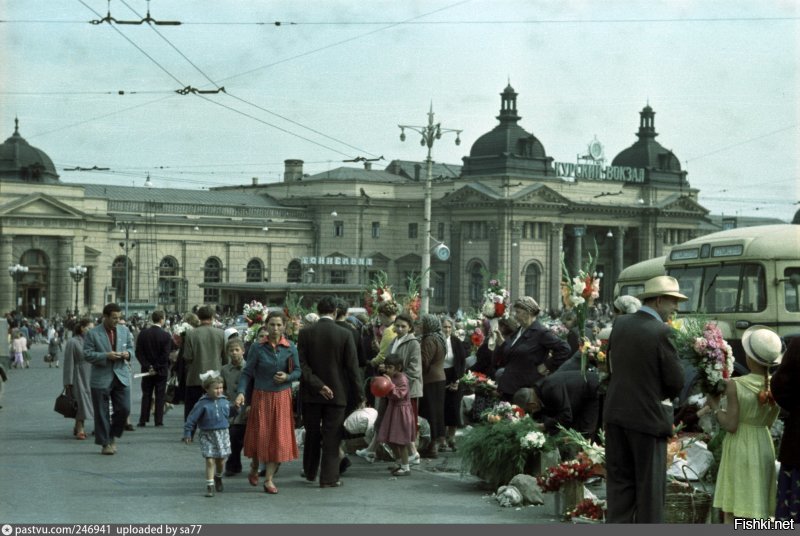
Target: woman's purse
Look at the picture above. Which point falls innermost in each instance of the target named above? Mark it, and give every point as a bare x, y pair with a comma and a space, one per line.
66, 404
172, 387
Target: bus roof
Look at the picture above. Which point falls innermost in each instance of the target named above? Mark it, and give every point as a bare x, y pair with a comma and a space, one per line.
762, 242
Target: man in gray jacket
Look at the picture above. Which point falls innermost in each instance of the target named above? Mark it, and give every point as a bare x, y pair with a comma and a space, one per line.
203, 350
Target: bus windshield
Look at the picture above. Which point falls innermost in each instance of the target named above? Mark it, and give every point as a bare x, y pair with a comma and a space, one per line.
722, 288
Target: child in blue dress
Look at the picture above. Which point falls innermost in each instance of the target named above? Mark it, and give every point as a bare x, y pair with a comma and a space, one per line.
210, 415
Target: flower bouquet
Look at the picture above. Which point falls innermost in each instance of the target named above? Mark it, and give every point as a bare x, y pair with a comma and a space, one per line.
495, 306
476, 338
559, 329
587, 511
412, 301
593, 354
377, 292
581, 290
479, 383
502, 411
701, 343
591, 452
570, 471
497, 452
179, 332
255, 313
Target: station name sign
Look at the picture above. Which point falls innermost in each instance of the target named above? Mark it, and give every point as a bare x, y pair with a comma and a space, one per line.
594, 172
337, 261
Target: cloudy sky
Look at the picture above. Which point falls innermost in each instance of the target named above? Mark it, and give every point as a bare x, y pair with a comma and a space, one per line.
334, 78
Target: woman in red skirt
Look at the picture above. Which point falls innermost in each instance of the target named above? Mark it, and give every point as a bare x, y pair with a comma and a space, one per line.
272, 365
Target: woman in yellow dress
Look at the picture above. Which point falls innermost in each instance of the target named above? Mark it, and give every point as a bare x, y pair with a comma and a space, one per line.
747, 482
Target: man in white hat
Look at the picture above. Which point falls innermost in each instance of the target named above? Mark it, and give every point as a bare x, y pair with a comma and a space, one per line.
645, 374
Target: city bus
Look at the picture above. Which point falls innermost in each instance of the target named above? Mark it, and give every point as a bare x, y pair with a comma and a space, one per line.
738, 277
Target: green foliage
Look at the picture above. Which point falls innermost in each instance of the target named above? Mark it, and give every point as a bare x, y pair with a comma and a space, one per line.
494, 452
715, 447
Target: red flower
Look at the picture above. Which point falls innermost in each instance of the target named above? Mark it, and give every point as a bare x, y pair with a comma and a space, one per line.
379, 291
587, 288
499, 309
519, 411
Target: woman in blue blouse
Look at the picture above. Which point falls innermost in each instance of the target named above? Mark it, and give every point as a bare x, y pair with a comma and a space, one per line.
272, 365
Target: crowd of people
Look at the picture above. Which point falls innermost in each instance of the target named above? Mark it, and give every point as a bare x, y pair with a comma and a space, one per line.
246, 396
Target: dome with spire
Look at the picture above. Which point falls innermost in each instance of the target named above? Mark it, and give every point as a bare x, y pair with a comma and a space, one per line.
647, 153
21, 161
494, 151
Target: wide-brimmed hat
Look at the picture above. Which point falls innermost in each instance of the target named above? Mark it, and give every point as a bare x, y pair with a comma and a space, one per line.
662, 285
763, 345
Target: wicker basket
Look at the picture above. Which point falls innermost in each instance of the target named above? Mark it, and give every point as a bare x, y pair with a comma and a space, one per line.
686, 504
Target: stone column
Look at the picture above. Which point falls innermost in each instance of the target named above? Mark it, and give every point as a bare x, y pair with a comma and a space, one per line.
553, 273
619, 252
61, 284
514, 275
456, 267
577, 248
7, 298
495, 242
659, 243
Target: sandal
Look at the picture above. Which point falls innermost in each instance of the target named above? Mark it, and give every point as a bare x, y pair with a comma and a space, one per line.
80, 435
272, 490
401, 472
253, 478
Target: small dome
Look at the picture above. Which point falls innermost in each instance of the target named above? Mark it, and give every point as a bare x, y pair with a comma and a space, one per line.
647, 152
21, 161
508, 137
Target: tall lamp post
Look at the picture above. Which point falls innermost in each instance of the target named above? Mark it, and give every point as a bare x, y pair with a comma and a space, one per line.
127, 227
77, 272
430, 133
16, 272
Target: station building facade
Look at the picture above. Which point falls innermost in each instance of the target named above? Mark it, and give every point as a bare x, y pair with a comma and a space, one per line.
509, 209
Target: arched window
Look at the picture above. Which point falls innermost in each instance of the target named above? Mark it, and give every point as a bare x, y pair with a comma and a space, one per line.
118, 277
294, 273
168, 281
212, 273
533, 278
255, 271
476, 284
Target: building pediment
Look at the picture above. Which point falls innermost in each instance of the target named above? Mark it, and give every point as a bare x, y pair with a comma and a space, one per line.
411, 258
540, 194
683, 204
471, 194
40, 205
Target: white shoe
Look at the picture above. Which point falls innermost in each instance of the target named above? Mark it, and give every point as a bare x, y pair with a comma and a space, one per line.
414, 460
367, 455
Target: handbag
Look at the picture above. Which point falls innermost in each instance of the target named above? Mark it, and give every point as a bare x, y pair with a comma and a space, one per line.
66, 404
172, 387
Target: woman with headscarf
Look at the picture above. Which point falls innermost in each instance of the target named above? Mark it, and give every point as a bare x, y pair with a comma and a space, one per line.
531, 353
455, 363
77, 373
433, 349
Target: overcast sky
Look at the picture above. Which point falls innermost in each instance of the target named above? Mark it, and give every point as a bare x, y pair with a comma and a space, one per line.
336, 77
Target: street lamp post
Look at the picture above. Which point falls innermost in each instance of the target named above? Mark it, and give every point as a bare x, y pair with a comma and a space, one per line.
127, 228
430, 132
77, 272
16, 272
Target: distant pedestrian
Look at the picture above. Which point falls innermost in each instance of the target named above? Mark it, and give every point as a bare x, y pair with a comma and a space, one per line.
153, 346
210, 414
77, 376
53, 350
399, 425
238, 423
19, 346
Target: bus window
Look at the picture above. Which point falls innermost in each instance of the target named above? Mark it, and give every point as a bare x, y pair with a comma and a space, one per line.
790, 289
631, 290
689, 280
720, 287
753, 297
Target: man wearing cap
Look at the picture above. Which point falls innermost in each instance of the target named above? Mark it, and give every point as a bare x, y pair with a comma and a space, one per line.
531, 353
645, 374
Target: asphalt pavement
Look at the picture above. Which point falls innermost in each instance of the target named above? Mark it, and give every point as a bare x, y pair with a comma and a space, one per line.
47, 476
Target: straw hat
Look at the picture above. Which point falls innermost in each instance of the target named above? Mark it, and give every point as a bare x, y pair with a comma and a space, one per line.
662, 285
763, 345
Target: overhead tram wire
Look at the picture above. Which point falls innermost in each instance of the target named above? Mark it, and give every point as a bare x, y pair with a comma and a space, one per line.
222, 89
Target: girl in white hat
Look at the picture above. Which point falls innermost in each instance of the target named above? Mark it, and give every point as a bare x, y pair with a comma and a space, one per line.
746, 482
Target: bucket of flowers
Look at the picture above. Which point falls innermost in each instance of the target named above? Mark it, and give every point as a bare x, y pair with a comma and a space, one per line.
567, 480
590, 451
485, 390
502, 445
590, 511
700, 342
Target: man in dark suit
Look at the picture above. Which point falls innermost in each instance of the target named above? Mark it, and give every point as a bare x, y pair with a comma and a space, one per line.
531, 353
645, 374
329, 372
153, 346
109, 348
